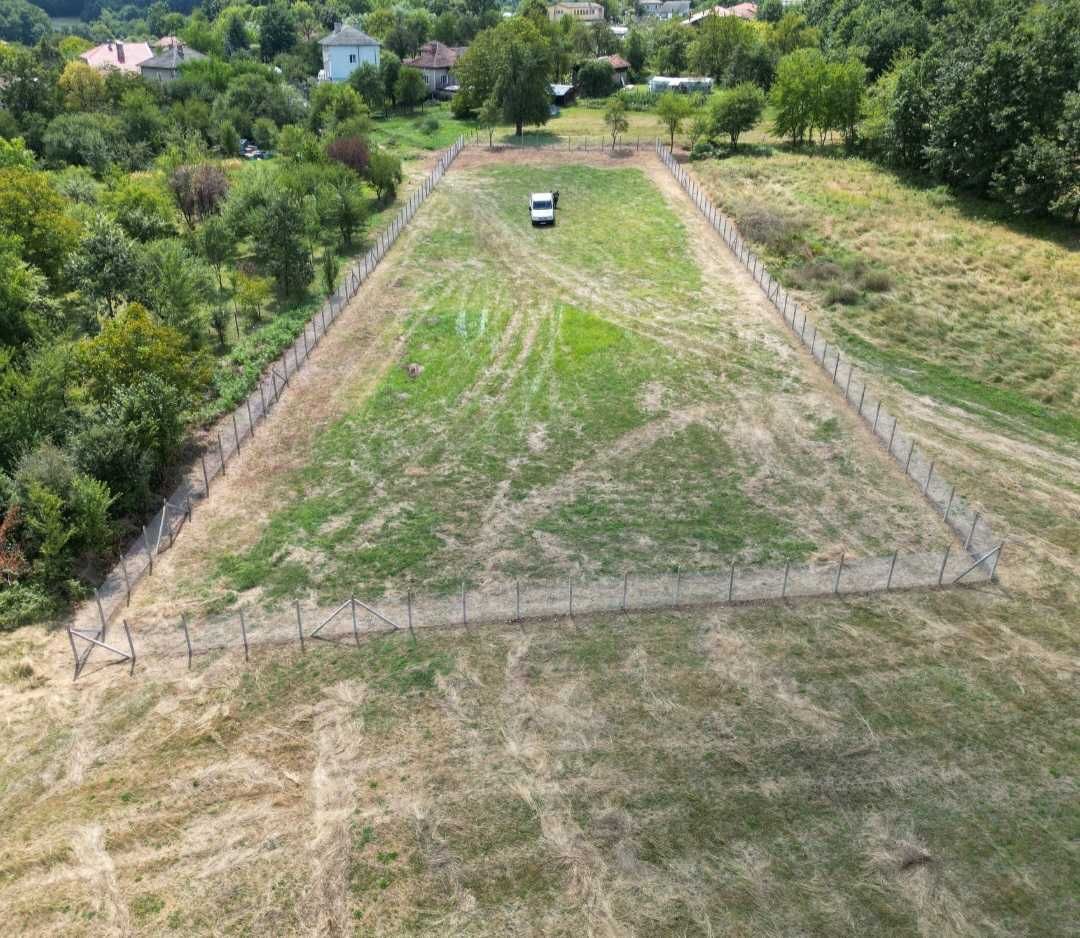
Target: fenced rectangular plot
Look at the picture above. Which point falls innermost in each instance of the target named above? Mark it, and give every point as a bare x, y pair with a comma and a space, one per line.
591, 402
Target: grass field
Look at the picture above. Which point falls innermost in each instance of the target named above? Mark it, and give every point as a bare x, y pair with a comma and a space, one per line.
588, 403
904, 764
931, 289
899, 766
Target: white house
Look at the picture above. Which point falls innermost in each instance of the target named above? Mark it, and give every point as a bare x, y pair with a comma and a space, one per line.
345, 50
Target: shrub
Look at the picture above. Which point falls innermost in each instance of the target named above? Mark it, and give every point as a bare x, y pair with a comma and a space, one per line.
780, 233
702, 150
385, 174
844, 294
429, 125
23, 604
351, 152
877, 281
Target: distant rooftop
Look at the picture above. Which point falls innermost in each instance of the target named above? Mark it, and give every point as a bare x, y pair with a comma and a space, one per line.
344, 35
173, 57
123, 56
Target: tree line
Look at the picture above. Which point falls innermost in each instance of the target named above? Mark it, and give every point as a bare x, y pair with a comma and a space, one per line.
146, 278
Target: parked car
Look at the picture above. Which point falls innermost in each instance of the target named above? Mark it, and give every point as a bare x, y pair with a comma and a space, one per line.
542, 208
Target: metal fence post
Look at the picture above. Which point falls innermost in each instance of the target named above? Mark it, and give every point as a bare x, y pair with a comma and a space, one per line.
944, 561
787, 570
101, 613
355, 625
971, 533
839, 571
861, 396
517, 602
731, 583
464, 608
907, 462
131, 646
300, 626
408, 610
892, 434
997, 557
243, 633
205, 475
948, 507
221, 454
235, 432
251, 420
892, 567
929, 476
146, 545
570, 584
678, 583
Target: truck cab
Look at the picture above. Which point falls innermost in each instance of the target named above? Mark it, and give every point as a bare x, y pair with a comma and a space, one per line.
542, 208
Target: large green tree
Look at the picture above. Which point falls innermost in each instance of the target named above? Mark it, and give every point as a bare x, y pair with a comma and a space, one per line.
511, 63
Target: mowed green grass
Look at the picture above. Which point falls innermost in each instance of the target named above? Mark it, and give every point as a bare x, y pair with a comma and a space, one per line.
941, 293
583, 407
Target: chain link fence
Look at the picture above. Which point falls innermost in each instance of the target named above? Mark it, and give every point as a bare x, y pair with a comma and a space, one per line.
353, 620
232, 431
516, 600
969, 525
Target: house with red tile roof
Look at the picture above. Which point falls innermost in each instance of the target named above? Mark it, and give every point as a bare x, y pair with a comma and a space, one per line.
436, 61
619, 66
122, 56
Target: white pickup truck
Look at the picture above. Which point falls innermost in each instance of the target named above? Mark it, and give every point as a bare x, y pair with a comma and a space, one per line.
542, 208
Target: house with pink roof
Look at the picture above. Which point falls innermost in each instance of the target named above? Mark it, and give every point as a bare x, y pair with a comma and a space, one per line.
123, 56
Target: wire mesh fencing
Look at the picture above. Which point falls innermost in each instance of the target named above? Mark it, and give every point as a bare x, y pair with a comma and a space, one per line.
969, 525
568, 143
353, 620
237, 429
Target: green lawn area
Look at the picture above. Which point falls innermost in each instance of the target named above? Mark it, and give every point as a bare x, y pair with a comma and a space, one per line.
589, 400
939, 292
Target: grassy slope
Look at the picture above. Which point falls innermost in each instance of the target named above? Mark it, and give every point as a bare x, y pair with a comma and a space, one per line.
978, 314
572, 383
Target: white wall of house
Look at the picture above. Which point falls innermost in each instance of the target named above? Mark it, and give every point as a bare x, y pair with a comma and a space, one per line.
339, 62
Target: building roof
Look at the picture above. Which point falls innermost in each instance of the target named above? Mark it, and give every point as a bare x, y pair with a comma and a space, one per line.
173, 57
435, 55
344, 35
124, 56
746, 11
618, 63
675, 6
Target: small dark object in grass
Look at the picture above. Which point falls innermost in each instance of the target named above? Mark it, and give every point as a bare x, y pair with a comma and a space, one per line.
910, 856
414, 370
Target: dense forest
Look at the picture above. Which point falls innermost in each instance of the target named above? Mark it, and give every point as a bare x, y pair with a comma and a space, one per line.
147, 273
